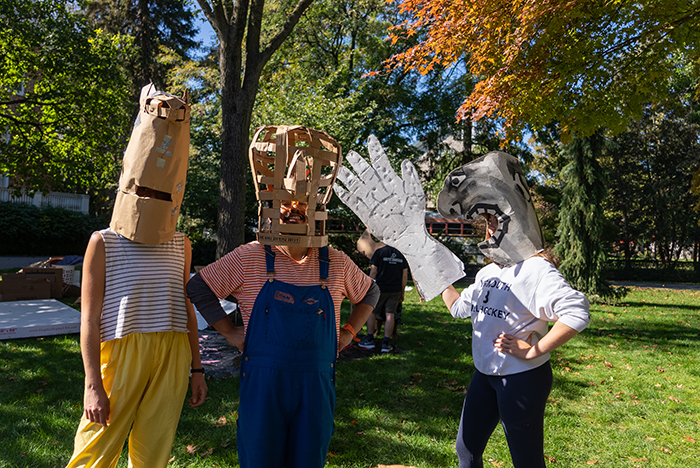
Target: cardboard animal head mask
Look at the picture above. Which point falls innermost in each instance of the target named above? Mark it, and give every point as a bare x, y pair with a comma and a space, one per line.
494, 184
152, 182
293, 167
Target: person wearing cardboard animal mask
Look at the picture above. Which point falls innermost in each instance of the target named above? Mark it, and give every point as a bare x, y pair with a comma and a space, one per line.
138, 333
510, 304
289, 285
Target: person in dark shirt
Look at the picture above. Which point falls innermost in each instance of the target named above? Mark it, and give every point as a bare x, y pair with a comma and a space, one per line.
390, 270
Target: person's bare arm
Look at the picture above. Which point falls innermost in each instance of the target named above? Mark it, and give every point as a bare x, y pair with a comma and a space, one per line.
373, 270
95, 401
404, 282
555, 337
234, 335
197, 383
358, 317
450, 296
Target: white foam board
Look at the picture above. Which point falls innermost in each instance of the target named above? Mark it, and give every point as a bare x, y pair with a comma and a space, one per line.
22, 319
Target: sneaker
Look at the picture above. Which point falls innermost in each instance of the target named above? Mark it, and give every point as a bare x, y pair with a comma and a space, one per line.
367, 342
386, 347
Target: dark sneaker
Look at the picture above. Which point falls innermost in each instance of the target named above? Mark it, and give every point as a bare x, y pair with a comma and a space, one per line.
386, 347
366, 343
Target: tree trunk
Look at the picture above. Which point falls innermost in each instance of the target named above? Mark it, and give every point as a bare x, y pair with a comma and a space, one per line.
236, 110
233, 22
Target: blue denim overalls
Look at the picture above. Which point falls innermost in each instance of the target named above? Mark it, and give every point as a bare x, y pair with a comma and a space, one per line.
287, 393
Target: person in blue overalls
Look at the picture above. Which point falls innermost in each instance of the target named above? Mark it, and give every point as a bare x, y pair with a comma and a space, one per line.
290, 302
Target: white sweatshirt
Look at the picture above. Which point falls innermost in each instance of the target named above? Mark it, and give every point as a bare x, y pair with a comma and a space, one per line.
519, 300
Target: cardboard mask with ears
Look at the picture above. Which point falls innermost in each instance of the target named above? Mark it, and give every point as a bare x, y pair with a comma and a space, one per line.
152, 181
494, 184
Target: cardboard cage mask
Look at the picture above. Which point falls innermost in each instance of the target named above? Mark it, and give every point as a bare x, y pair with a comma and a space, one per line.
155, 163
293, 164
494, 184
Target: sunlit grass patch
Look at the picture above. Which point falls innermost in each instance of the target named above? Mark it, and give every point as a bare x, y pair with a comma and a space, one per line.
626, 393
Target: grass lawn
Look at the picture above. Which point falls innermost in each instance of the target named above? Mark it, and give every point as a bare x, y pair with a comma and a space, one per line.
626, 394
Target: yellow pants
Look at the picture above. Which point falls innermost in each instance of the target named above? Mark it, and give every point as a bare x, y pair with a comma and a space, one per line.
146, 377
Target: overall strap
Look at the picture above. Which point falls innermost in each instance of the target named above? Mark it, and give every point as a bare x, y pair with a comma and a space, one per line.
324, 262
270, 259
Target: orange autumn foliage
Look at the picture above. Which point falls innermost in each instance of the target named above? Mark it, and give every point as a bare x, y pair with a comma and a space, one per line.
585, 64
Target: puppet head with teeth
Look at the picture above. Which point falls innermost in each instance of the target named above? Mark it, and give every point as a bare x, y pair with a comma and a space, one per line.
494, 184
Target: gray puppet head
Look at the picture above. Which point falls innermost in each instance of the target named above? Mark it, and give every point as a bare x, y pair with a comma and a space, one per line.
494, 184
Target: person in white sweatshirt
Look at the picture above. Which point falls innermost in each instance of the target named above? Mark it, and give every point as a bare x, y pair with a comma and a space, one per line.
510, 304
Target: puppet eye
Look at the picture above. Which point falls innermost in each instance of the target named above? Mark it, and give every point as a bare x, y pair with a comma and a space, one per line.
456, 180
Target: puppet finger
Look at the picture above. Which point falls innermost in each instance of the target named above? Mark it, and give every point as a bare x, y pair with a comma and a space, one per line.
412, 184
379, 160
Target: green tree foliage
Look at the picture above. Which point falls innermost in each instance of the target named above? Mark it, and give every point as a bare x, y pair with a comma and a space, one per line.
651, 167
61, 90
153, 24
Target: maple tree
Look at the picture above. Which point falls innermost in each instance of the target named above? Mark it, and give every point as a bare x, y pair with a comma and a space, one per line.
584, 64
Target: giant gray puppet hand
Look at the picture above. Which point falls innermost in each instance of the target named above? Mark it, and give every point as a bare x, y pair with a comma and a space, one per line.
393, 209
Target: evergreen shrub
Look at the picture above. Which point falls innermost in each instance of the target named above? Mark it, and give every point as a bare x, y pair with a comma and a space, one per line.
28, 230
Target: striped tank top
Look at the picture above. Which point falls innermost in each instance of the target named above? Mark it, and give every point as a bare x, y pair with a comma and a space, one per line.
144, 287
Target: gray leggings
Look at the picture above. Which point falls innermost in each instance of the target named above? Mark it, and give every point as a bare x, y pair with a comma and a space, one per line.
518, 401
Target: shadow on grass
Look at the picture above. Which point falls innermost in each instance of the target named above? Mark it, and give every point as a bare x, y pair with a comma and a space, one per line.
41, 390
688, 307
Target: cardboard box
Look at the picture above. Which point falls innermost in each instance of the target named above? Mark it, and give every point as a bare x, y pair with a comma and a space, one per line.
55, 275
18, 287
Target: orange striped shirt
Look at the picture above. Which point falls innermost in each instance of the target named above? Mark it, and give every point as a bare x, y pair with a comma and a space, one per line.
243, 273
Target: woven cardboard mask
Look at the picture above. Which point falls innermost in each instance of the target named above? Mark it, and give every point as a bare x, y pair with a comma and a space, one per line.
152, 182
494, 184
293, 165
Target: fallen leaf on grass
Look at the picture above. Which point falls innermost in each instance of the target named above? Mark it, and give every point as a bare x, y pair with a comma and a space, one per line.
639, 459
665, 450
353, 422
689, 439
550, 459
220, 422
331, 454
592, 462
192, 449
394, 466
207, 453
171, 460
